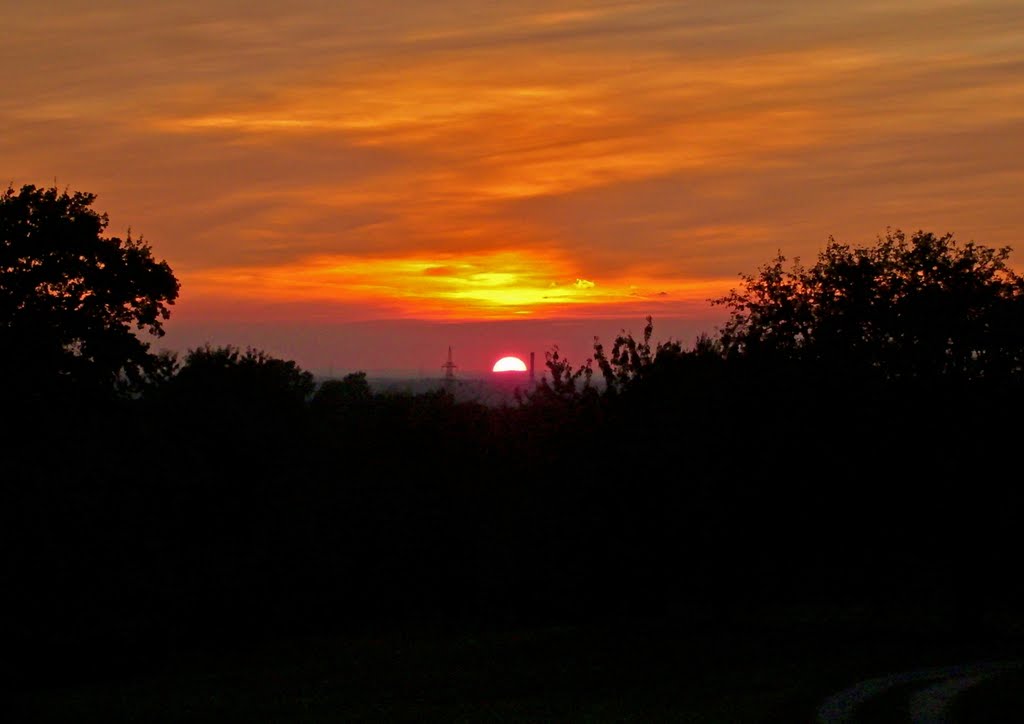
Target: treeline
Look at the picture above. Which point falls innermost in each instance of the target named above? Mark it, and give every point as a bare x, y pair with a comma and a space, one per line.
229, 504
848, 442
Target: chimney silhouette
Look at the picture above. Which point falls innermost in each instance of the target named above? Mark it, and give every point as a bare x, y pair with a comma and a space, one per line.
532, 373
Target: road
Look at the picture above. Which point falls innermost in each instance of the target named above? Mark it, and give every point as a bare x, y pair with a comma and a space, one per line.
928, 692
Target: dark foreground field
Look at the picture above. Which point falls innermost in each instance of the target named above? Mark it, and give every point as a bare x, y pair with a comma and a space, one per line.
776, 670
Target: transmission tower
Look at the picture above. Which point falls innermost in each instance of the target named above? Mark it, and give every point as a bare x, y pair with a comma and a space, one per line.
449, 370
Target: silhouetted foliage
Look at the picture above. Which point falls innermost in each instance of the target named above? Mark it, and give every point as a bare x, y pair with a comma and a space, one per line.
632, 364
229, 377
919, 308
566, 383
70, 297
338, 395
631, 360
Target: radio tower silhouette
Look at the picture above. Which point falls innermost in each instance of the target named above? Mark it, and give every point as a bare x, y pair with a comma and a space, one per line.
449, 371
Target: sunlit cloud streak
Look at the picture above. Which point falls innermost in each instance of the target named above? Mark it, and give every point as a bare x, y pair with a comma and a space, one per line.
506, 284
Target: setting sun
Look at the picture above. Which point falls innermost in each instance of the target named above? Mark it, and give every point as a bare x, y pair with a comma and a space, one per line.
509, 364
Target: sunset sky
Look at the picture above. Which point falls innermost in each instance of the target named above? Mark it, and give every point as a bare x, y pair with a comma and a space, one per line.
359, 185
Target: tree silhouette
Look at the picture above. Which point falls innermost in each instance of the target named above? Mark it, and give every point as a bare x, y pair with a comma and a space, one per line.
338, 395
919, 308
566, 383
70, 297
241, 382
632, 361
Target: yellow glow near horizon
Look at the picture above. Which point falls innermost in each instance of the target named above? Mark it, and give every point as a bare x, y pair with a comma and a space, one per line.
498, 285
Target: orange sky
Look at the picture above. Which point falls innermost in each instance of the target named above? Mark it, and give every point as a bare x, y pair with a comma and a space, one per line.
332, 179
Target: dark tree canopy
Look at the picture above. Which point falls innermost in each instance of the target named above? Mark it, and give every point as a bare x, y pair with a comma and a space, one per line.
923, 307
71, 298
230, 379
339, 395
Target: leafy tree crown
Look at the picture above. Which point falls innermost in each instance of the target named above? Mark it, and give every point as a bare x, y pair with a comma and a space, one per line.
71, 298
922, 306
